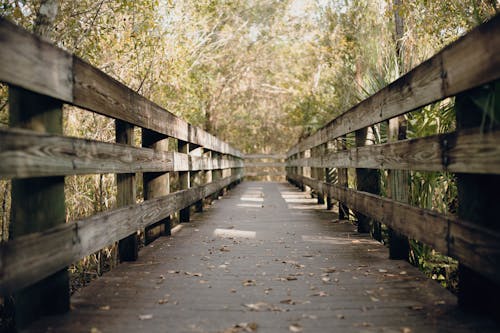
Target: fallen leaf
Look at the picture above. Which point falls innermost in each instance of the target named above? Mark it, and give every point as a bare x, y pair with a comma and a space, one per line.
406, 330
416, 307
295, 328
374, 299
173, 272
325, 279
329, 270
340, 316
313, 317
402, 273
288, 301
262, 306
249, 283
291, 278
224, 249
382, 270
105, 308
320, 294
145, 316
163, 301
95, 330
242, 327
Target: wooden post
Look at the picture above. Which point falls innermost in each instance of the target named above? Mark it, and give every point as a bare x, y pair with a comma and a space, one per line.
197, 179
320, 172
208, 174
398, 189
478, 198
128, 248
156, 184
216, 174
184, 181
342, 179
368, 180
37, 204
329, 177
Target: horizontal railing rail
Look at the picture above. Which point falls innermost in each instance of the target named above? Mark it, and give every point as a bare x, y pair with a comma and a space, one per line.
265, 166
459, 70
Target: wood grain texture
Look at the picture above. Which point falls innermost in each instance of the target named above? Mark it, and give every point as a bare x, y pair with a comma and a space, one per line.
38, 66
97, 91
33, 257
34, 64
474, 246
367, 292
467, 151
469, 62
30, 154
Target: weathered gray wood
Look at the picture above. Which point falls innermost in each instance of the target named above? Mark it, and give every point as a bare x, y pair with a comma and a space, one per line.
34, 64
264, 164
156, 184
264, 156
342, 179
464, 151
475, 246
184, 181
38, 66
96, 91
366, 292
32, 154
478, 199
128, 248
29, 154
33, 257
367, 180
398, 188
37, 204
469, 62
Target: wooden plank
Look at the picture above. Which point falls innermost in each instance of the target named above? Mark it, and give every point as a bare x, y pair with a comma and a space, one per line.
465, 151
156, 184
264, 164
398, 188
477, 246
34, 64
128, 247
367, 293
38, 66
97, 91
30, 154
478, 197
264, 156
469, 62
33, 257
184, 182
37, 204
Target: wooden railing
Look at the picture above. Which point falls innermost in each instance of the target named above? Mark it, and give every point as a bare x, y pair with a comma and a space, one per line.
264, 167
467, 69
35, 155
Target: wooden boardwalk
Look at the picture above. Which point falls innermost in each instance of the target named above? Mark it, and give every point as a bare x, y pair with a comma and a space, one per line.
266, 255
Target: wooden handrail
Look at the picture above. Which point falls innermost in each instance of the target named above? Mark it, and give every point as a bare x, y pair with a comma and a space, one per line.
37, 66
471, 61
471, 152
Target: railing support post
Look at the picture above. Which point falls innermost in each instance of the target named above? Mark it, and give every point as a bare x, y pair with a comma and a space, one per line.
156, 184
478, 198
197, 179
216, 173
368, 180
184, 182
128, 248
342, 179
398, 188
37, 204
